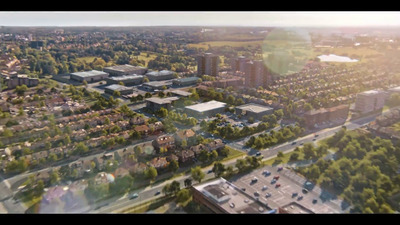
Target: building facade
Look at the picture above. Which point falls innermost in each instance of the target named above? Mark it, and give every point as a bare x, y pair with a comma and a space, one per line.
160, 75
89, 76
337, 114
126, 69
205, 109
207, 64
369, 101
254, 110
116, 87
256, 74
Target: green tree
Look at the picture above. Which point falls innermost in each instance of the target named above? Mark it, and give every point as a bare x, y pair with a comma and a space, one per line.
173, 166
182, 196
197, 173
218, 169
151, 173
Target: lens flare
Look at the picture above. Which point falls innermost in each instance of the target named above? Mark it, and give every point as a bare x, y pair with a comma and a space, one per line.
286, 50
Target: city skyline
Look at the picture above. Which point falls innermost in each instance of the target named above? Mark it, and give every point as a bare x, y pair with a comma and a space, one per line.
200, 18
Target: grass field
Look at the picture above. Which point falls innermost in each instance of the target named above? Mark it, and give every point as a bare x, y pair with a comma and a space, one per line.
143, 56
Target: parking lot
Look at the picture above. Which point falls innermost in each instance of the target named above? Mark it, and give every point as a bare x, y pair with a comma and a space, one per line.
289, 183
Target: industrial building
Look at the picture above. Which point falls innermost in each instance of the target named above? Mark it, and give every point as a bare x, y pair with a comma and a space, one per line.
207, 64
181, 93
223, 197
205, 109
157, 103
89, 76
160, 75
121, 89
185, 81
126, 69
156, 85
370, 101
128, 80
254, 110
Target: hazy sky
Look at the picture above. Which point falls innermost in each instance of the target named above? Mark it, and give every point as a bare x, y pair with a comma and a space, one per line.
199, 18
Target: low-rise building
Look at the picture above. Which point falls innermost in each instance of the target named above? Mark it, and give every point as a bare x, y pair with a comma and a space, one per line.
185, 81
165, 141
116, 87
126, 69
205, 109
160, 75
337, 114
186, 156
370, 101
89, 76
254, 110
156, 85
128, 80
184, 135
156, 103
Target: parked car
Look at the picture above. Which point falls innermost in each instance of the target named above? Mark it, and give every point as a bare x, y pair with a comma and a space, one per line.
314, 201
134, 195
255, 179
266, 173
300, 197
276, 177
277, 185
280, 168
305, 191
256, 193
264, 187
273, 181
268, 195
294, 194
243, 189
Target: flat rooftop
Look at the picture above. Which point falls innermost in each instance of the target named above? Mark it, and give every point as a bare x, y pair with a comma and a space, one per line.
124, 68
187, 79
162, 100
158, 83
371, 92
254, 108
89, 73
117, 87
295, 208
394, 89
181, 93
229, 197
206, 106
159, 73
126, 77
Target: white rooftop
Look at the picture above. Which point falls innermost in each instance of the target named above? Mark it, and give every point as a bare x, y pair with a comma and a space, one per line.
254, 108
206, 106
371, 92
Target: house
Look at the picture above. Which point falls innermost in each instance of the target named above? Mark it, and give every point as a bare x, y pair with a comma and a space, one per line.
198, 148
142, 129
136, 168
99, 162
186, 156
87, 166
165, 141
172, 157
184, 135
137, 120
158, 163
40, 155
45, 176
157, 126
103, 178
217, 144
121, 172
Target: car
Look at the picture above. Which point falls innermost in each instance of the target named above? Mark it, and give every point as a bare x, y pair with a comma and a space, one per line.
314, 201
210, 171
277, 185
243, 189
134, 195
314, 139
316, 135
157, 193
276, 177
305, 191
256, 193
294, 194
266, 173
255, 179
268, 195
293, 143
273, 181
264, 187
302, 143
300, 198
258, 153
280, 168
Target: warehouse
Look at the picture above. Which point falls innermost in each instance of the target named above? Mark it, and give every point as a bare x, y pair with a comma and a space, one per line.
116, 87
89, 76
253, 110
126, 69
161, 75
205, 109
128, 80
156, 85
157, 103
185, 81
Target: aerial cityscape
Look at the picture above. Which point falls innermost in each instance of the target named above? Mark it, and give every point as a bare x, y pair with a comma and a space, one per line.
142, 116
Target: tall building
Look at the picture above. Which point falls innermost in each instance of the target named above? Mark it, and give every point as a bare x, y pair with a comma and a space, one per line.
207, 64
369, 101
239, 64
256, 74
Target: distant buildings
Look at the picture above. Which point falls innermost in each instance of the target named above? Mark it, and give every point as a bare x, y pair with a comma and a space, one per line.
128, 80
17, 80
321, 116
231, 82
116, 87
89, 76
126, 69
207, 64
254, 110
156, 85
394, 90
160, 75
369, 101
239, 64
205, 109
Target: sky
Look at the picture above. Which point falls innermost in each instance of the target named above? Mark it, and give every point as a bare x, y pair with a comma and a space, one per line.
200, 18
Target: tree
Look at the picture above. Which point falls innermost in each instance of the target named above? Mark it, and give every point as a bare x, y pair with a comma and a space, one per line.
187, 182
182, 196
251, 119
54, 177
163, 112
197, 173
85, 83
148, 95
173, 166
20, 90
117, 94
294, 156
138, 151
81, 148
280, 154
151, 173
218, 169
203, 156
213, 155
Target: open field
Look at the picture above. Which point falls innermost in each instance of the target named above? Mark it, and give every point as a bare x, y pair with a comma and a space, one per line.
234, 44
87, 59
